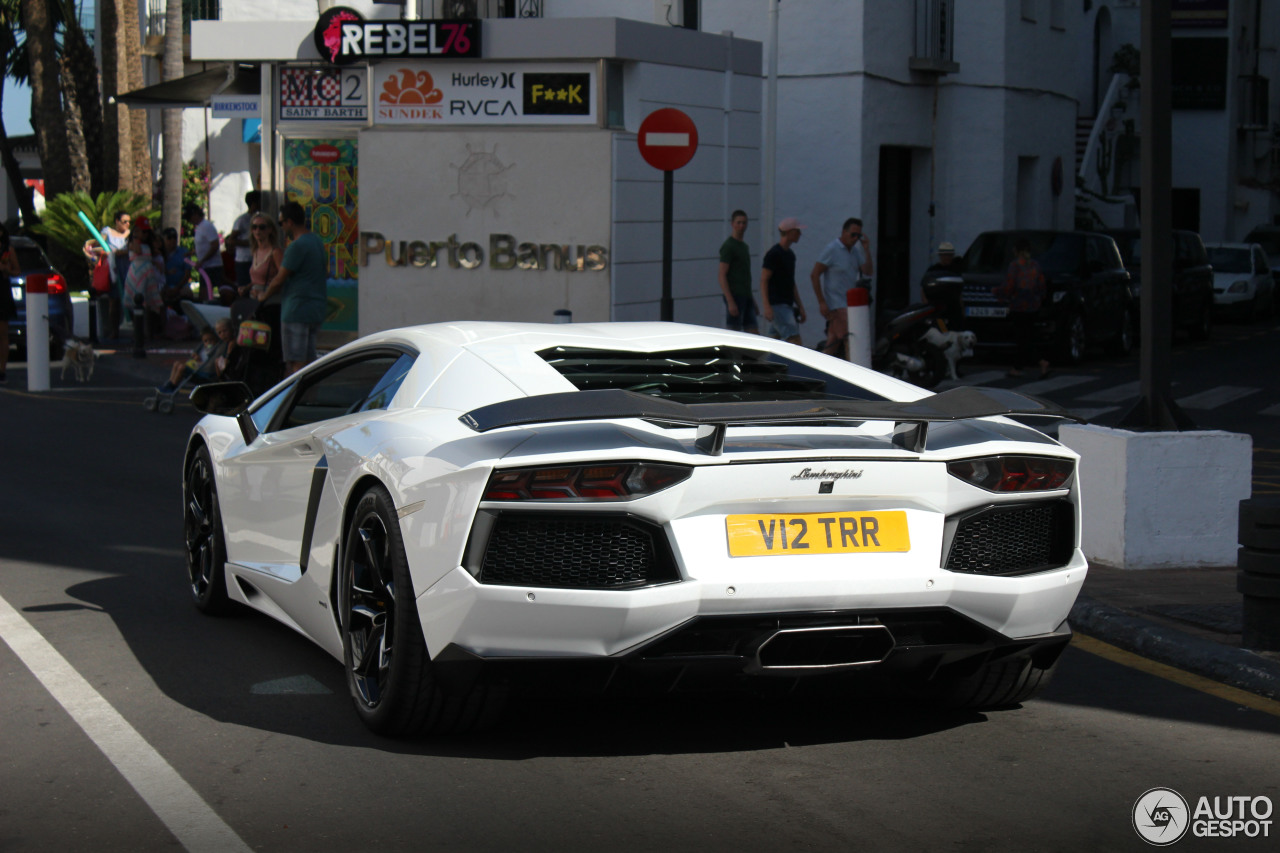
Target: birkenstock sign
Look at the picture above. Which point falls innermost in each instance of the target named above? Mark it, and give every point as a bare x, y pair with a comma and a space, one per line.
343, 36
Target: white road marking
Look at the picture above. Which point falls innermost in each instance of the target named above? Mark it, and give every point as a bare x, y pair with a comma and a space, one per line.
1215, 397
1115, 394
1055, 383
974, 378
196, 825
666, 140
1271, 410
1090, 414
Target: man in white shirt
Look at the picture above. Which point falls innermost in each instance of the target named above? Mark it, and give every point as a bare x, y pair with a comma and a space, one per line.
208, 246
844, 262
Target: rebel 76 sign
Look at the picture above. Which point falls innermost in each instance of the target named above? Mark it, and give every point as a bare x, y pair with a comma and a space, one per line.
343, 36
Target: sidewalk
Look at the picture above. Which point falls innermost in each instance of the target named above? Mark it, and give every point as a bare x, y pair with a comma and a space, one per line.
1187, 618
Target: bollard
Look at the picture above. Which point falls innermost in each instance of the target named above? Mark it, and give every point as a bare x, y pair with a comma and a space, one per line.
1258, 578
562, 315
37, 332
139, 329
104, 319
860, 326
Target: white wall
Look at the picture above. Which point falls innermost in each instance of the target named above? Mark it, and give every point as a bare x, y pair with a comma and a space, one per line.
555, 188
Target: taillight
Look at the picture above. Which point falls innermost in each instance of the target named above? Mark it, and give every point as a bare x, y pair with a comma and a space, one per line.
610, 481
57, 285
1014, 473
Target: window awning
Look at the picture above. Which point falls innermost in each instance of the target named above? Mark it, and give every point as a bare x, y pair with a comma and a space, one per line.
195, 90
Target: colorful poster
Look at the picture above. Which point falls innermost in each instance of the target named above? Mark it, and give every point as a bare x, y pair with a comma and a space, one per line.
320, 174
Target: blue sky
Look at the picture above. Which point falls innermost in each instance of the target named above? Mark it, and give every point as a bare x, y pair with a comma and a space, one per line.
17, 109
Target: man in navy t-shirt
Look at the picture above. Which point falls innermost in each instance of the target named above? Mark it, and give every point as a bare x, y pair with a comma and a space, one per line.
778, 294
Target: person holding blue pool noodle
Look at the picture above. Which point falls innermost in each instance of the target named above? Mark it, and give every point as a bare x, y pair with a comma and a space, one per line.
113, 241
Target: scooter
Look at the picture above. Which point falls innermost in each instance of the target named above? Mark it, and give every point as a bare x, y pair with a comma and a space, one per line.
919, 344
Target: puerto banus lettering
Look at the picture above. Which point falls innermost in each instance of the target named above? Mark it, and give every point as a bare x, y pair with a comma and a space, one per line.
343, 36
504, 252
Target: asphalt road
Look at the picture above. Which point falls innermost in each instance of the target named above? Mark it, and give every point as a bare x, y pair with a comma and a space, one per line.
132, 722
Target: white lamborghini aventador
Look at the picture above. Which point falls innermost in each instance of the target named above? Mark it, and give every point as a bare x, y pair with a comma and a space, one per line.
444, 508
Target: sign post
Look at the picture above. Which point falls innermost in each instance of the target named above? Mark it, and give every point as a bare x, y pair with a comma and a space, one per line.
668, 139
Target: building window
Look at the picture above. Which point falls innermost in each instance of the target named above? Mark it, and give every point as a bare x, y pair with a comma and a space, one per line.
614, 112
1029, 10
935, 34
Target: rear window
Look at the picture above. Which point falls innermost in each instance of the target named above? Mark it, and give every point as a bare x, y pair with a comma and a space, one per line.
30, 259
715, 374
1223, 259
1268, 239
994, 251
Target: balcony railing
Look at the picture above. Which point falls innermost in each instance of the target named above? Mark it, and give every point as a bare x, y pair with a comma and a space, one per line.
935, 37
192, 10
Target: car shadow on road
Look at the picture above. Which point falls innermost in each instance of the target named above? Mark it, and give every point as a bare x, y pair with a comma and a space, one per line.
248, 670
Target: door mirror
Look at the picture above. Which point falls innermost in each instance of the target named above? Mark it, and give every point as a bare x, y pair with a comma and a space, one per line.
222, 398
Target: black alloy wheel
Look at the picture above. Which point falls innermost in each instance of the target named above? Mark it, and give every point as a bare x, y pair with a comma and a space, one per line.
202, 532
1073, 342
389, 671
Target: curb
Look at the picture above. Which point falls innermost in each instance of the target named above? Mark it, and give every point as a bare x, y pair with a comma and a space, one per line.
1237, 667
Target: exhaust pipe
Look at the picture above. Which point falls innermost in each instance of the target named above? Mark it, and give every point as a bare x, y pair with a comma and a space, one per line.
829, 648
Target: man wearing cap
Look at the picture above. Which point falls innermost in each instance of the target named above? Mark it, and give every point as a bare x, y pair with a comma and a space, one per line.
208, 245
946, 264
778, 293
841, 266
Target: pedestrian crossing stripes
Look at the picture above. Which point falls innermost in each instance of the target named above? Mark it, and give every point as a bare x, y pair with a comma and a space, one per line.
1096, 402
1215, 397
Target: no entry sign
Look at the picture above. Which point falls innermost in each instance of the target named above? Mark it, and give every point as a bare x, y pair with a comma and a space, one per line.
668, 139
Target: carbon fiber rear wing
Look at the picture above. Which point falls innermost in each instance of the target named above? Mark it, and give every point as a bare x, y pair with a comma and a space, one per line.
911, 419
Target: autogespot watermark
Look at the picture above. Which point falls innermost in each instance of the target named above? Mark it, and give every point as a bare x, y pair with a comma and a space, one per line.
1162, 816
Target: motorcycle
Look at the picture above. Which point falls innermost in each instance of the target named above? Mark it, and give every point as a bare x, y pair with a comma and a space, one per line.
921, 344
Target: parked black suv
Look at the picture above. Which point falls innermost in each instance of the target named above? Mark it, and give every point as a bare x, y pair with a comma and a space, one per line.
1192, 278
1089, 300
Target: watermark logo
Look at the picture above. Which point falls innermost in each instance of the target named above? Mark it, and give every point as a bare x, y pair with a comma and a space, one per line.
1161, 817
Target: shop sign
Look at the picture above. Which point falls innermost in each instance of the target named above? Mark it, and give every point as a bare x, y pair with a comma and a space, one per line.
343, 36
236, 106
505, 252
443, 93
313, 93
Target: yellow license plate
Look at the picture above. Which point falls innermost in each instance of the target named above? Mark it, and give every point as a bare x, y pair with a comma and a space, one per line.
817, 533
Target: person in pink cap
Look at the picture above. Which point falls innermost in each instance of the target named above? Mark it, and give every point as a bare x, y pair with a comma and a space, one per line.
780, 298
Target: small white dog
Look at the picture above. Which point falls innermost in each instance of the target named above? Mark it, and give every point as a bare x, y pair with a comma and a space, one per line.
79, 356
954, 346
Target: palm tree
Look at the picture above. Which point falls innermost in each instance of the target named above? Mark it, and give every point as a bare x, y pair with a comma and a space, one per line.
126, 150
80, 86
9, 48
47, 115
171, 169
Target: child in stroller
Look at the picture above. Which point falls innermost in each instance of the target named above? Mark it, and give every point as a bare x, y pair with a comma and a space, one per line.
200, 368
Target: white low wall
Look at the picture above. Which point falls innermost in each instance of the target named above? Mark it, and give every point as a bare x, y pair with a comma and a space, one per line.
1155, 500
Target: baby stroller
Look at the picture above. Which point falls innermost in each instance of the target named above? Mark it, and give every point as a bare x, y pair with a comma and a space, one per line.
162, 400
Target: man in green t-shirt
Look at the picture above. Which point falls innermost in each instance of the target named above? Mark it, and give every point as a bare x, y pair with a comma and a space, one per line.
303, 278
735, 278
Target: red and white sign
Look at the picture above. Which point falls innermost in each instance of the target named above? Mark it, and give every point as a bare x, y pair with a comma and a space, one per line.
325, 153
668, 139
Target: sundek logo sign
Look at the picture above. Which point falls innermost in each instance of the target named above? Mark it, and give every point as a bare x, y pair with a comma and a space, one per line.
343, 36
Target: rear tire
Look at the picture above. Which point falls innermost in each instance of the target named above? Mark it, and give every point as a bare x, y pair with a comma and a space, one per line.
389, 671
1122, 343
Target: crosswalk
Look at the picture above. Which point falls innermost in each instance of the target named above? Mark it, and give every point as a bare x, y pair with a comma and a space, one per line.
1087, 398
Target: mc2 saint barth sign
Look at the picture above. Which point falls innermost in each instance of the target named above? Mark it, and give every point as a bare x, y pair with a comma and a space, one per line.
343, 36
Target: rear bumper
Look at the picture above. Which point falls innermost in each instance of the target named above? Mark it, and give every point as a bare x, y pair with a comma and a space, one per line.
518, 623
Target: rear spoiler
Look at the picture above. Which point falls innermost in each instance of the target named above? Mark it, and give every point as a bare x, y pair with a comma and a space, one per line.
911, 419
